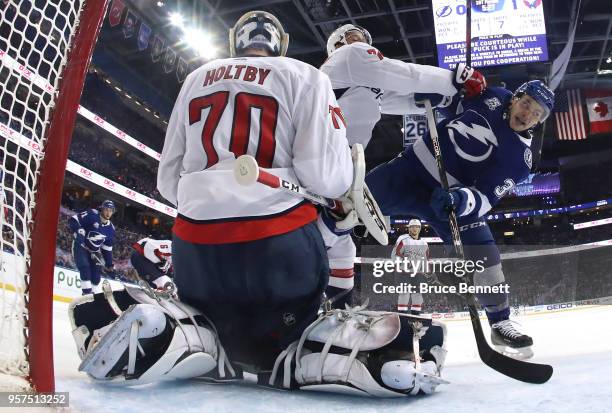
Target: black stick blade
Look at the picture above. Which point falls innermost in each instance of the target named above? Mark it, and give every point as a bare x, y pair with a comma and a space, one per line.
517, 369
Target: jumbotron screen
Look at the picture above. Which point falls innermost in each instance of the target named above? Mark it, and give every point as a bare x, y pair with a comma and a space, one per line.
503, 32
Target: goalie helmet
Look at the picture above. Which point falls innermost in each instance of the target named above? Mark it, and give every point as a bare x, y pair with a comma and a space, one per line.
339, 36
539, 92
260, 30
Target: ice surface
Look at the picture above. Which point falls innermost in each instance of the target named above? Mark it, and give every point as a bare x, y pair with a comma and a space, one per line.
578, 343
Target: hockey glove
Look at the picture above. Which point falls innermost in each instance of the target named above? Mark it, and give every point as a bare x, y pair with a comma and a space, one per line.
164, 266
337, 222
437, 101
443, 202
97, 258
460, 199
79, 236
470, 80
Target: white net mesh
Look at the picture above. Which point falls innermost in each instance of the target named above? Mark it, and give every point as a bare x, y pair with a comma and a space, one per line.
34, 41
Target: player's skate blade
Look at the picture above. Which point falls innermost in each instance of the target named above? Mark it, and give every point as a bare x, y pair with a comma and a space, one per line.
522, 353
510, 342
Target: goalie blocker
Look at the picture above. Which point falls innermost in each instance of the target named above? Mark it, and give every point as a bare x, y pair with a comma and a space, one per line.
128, 337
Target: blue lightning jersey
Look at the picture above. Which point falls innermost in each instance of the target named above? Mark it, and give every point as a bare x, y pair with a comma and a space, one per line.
98, 236
480, 152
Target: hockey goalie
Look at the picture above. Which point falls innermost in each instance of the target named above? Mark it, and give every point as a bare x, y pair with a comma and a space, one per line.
250, 264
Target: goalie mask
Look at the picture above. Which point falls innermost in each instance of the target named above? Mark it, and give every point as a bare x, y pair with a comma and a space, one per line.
260, 30
339, 37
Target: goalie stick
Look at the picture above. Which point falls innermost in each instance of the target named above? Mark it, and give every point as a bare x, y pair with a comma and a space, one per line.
247, 172
364, 206
511, 367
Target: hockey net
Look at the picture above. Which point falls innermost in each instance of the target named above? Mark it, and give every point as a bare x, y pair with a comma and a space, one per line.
45, 48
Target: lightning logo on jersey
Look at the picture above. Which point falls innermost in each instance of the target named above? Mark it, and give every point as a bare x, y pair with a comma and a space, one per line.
478, 129
96, 239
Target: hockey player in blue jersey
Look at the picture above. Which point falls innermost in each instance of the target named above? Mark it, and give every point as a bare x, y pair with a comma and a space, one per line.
92, 248
486, 153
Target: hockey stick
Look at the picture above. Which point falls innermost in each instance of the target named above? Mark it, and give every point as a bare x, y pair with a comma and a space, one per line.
468, 33
247, 172
364, 206
511, 367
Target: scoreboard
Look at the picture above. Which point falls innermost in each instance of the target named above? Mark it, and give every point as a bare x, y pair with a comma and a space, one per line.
503, 32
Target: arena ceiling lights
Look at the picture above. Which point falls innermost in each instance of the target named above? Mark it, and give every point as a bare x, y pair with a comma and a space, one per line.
176, 19
200, 41
197, 39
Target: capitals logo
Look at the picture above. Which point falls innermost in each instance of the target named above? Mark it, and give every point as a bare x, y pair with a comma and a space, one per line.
533, 4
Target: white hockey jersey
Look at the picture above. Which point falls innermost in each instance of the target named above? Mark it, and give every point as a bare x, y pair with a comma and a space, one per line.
366, 84
279, 110
408, 247
156, 251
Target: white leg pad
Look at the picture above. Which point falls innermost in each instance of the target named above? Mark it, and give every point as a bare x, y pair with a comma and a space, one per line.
192, 351
102, 357
360, 331
359, 380
204, 358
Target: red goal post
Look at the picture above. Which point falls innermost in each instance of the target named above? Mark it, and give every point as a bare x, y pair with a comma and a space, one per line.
34, 234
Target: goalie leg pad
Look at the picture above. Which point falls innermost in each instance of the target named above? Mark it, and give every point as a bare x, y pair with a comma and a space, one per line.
128, 337
366, 352
312, 376
143, 345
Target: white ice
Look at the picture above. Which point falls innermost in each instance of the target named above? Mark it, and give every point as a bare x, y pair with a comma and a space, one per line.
578, 343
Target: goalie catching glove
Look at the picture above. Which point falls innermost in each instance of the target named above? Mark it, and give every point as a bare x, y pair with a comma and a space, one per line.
357, 206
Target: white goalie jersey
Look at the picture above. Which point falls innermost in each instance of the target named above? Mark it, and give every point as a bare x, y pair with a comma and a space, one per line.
282, 112
368, 84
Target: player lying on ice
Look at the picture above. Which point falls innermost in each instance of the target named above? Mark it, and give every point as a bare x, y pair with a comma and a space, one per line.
249, 262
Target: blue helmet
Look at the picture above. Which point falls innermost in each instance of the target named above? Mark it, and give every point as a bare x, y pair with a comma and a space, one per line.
108, 204
537, 90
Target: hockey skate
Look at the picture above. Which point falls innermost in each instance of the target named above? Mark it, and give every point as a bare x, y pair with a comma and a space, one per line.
509, 341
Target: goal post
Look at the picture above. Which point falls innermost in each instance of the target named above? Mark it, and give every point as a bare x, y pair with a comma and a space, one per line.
46, 47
